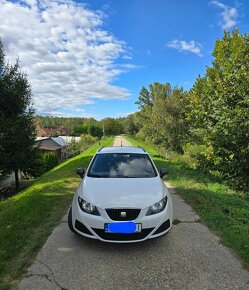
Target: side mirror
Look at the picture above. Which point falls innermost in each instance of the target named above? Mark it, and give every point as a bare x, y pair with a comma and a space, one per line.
80, 172
163, 171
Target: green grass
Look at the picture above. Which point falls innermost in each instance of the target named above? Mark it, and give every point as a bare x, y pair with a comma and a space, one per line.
222, 209
28, 218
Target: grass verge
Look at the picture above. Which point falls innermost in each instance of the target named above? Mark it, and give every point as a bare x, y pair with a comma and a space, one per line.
224, 210
28, 218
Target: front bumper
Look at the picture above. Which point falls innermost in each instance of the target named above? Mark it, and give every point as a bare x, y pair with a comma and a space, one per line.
92, 226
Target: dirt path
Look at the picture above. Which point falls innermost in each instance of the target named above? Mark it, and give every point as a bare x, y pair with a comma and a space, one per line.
121, 141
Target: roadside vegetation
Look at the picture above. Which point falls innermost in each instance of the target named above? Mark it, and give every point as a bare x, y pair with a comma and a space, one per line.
224, 210
202, 137
28, 218
209, 123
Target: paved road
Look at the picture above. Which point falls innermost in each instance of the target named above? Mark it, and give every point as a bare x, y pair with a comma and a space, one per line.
189, 257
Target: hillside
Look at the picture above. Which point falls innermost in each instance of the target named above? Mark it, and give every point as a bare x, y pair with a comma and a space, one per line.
28, 218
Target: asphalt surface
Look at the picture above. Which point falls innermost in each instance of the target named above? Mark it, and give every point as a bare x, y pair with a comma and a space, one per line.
189, 257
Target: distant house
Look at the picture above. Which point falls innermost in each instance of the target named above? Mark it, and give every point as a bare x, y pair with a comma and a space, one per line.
54, 144
50, 132
61, 130
39, 129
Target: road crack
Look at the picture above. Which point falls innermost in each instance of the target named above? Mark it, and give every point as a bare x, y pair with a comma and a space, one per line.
39, 275
52, 275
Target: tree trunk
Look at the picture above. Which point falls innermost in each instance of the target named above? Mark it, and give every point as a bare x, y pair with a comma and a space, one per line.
17, 179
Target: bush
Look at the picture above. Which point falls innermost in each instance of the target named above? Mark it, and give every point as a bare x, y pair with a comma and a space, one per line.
140, 136
95, 130
194, 155
49, 161
42, 163
86, 140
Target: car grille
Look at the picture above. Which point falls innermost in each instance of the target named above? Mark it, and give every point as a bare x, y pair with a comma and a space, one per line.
122, 237
115, 214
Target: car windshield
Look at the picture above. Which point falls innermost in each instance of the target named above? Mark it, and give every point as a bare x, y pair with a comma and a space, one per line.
122, 165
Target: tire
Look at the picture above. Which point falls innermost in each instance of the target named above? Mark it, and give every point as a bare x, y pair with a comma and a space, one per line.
70, 222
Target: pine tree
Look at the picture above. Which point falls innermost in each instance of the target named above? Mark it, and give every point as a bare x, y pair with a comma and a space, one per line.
17, 132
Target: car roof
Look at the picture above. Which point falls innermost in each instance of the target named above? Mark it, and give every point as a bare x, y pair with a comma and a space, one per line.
121, 149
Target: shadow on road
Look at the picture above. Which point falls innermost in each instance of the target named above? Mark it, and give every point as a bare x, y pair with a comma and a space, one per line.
96, 245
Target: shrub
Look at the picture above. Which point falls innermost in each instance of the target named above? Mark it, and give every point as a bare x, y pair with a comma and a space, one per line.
140, 136
42, 163
86, 140
49, 161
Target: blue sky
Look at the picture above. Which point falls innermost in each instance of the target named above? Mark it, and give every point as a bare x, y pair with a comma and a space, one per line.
91, 58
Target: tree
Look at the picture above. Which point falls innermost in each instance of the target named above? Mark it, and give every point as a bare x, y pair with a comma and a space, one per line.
220, 108
79, 129
145, 98
17, 132
95, 130
112, 126
129, 125
162, 117
168, 118
142, 118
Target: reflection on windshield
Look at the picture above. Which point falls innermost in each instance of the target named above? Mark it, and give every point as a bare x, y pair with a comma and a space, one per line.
119, 165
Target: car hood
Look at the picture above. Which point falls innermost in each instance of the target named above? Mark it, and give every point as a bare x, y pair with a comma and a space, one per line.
122, 192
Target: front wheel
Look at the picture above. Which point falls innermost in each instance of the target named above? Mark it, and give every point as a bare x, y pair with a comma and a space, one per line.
70, 221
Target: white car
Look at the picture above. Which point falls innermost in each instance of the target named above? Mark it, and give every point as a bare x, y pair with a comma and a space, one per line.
121, 198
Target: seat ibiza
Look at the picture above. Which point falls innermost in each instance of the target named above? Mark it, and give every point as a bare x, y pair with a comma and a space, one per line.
121, 198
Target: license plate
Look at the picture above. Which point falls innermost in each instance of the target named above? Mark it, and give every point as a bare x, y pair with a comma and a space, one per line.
123, 228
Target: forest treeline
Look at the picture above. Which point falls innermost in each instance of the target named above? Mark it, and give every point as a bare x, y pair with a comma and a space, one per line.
90, 126
209, 123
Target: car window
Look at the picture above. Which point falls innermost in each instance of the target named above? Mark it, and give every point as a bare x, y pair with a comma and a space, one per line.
122, 165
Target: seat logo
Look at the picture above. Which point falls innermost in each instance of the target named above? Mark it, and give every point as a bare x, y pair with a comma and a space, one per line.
123, 214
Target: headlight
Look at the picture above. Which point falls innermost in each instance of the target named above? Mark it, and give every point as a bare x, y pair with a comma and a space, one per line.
87, 206
157, 207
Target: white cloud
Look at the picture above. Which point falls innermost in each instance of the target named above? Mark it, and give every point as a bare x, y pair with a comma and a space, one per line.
131, 66
229, 15
70, 59
182, 45
69, 114
80, 110
127, 57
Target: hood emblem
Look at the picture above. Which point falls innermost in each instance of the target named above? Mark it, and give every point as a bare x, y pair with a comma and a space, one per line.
123, 214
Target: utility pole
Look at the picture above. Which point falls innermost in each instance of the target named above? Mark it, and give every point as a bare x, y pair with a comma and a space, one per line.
103, 131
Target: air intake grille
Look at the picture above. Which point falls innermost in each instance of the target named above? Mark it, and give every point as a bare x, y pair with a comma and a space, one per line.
123, 214
122, 237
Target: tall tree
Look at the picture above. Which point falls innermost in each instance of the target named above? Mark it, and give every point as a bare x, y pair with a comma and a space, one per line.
17, 132
95, 130
112, 126
220, 108
129, 125
171, 128
145, 98
162, 117
145, 104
